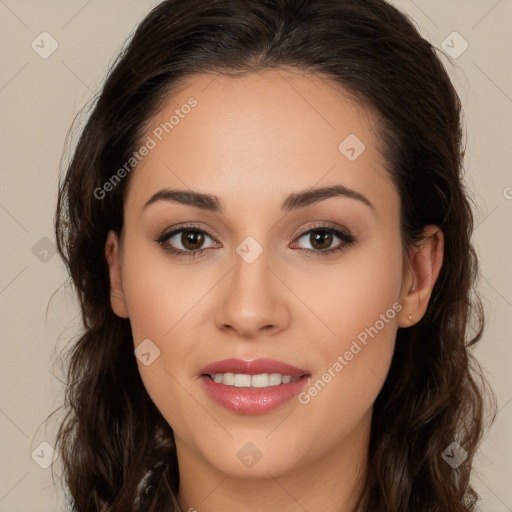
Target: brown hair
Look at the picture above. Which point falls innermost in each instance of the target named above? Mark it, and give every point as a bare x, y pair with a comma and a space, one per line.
117, 449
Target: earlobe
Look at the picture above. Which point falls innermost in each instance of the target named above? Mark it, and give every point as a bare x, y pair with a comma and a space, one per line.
420, 275
112, 254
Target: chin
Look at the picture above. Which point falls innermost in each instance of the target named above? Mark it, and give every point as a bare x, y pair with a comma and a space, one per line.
247, 457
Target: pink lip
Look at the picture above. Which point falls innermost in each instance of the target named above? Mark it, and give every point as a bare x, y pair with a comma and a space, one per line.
252, 400
252, 367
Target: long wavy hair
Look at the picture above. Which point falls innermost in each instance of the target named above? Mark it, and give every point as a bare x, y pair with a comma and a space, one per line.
118, 452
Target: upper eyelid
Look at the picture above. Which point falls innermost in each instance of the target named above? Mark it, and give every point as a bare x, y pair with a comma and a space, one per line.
324, 225
166, 233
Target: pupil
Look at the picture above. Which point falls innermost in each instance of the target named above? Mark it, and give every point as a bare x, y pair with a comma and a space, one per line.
321, 239
192, 239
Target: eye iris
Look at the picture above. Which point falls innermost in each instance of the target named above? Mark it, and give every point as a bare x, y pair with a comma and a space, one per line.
321, 239
192, 239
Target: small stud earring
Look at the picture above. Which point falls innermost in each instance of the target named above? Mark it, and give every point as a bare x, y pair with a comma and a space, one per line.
409, 316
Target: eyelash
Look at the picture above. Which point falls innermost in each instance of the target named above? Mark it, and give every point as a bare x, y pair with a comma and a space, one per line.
347, 240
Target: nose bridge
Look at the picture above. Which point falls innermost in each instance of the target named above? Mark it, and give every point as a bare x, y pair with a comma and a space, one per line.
253, 300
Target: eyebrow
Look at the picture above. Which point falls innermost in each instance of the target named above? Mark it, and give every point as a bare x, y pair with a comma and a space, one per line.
293, 201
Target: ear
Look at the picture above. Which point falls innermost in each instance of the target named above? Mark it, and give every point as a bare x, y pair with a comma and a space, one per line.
112, 253
420, 274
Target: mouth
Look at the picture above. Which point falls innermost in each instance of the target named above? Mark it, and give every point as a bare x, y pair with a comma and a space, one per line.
252, 387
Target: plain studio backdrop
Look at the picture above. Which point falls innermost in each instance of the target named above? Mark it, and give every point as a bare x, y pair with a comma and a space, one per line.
42, 87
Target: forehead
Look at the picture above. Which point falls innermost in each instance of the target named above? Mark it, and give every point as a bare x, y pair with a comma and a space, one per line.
250, 136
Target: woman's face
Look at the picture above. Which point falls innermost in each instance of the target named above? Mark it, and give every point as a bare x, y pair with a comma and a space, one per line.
326, 302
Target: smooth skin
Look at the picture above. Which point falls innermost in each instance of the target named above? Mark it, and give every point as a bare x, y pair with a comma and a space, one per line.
252, 141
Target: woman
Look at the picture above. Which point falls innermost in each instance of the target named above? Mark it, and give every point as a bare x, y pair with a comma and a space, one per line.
266, 225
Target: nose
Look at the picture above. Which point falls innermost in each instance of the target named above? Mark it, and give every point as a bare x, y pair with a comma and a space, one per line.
253, 301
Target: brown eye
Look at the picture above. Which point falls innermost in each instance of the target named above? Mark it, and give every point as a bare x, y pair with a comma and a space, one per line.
185, 241
321, 239
192, 240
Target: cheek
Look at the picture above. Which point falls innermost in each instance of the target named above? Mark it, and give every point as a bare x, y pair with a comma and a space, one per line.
360, 306
158, 293
164, 300
360, 290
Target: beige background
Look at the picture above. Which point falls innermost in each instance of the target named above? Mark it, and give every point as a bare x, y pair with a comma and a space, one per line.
39, 99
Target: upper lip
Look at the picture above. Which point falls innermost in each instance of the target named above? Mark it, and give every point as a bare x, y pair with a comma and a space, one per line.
252, 367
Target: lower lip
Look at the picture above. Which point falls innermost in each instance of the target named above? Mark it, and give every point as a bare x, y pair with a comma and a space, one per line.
252, 400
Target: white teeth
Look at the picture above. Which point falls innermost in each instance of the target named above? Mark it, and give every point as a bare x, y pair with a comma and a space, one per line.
274, 379
242, 380
229, 379
260, 381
